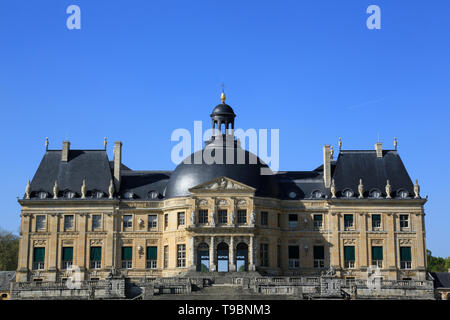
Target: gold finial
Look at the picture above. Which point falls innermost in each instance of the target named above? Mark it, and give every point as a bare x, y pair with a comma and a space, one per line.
223, 97
340, 143
331, 152
105, 143
395, 143
46, 143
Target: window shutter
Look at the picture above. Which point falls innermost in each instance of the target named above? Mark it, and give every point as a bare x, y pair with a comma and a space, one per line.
349, 253
152, 253
293, 252
319, 252
38, 254
127, 253
405, 253
377, 253
96, 253
67, 254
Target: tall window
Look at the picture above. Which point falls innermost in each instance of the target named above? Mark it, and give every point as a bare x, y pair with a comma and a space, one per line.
166, 257
264, 218
127, 257
242, 216
376, 221
68, 222
203, 216
318, 219
40, 223
294, 257
96, 221
180, 219
377, 256
279, 220
319, 257
152, 221
348, 221
223, 216
349, 257
152, 253
404, 221
264, 254
293, 221
96, 257
181, 255
67, 257
166, 221
405, 257
278, 256
38, 258
127, 221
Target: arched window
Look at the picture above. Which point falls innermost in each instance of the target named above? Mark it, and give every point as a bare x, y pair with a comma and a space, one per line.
403, 194
347, 193
42, 195
292, 195
317, 194
152, 195
69, 194
128, 195
375, 193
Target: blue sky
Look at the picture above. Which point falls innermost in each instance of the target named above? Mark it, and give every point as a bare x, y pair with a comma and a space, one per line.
137, 70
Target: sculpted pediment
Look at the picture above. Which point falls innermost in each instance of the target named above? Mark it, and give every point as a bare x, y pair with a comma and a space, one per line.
222, 184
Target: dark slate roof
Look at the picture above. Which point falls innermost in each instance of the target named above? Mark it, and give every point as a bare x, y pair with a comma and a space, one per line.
441, 279
353, 165
92, 165
302, 183
141, 183
5, 278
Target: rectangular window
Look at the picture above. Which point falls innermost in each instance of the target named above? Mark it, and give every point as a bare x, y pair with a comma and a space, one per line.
166, 221
294, 257
264, 218
96, 257
152, 254
203, 216
349, 257
405, 257
96, 221
319, 257
181, 255
40, 223
376, 221
67, 257
264, 254
404, 221
166, 257
279, 220
242, 216
348, 221
68, 222
127, 257
180, 219
152, 221
38, 258
377, 256
223, 216
278, 256
318, 219
293, 221
127, 221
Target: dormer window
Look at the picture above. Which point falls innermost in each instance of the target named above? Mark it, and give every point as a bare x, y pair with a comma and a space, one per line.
347, 193
152, 195
69, 194
317, 194
98, 194
292, 195
42, 195
375, 193
128, 195
403, 194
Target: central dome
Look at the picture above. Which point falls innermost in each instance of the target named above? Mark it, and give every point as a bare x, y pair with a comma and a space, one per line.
189, 174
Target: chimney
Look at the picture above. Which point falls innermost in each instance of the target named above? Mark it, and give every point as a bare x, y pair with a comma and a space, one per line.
379, 149
117, 164
65, 151
327, 165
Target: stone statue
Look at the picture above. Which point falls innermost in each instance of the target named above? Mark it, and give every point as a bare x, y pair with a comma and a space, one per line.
416, 190
253, 217
232, 218
361, 189
212, 222
83, 189
333, 189
193, 218
55, 190
111, 189
388, 190
28, 190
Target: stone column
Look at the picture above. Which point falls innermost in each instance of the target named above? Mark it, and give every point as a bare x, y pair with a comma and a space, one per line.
212, 263
25, 247
231, 255
391, 246
420, 262
52, 247
335, 251
251, 262
192, 265
363, 245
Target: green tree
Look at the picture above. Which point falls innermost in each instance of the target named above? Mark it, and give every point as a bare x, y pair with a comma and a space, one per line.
9, 250
437, 264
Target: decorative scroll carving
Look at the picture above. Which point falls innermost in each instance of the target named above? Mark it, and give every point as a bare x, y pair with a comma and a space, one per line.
39, 243
203, 202
95, 242
404, 241
349, 241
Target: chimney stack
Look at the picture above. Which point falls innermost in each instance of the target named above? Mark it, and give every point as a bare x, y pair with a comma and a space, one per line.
117, 164
379, 149
65, 151
327, 165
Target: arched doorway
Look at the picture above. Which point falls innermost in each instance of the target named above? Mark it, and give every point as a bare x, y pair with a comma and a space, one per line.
242, 257
203, 257
222, 257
